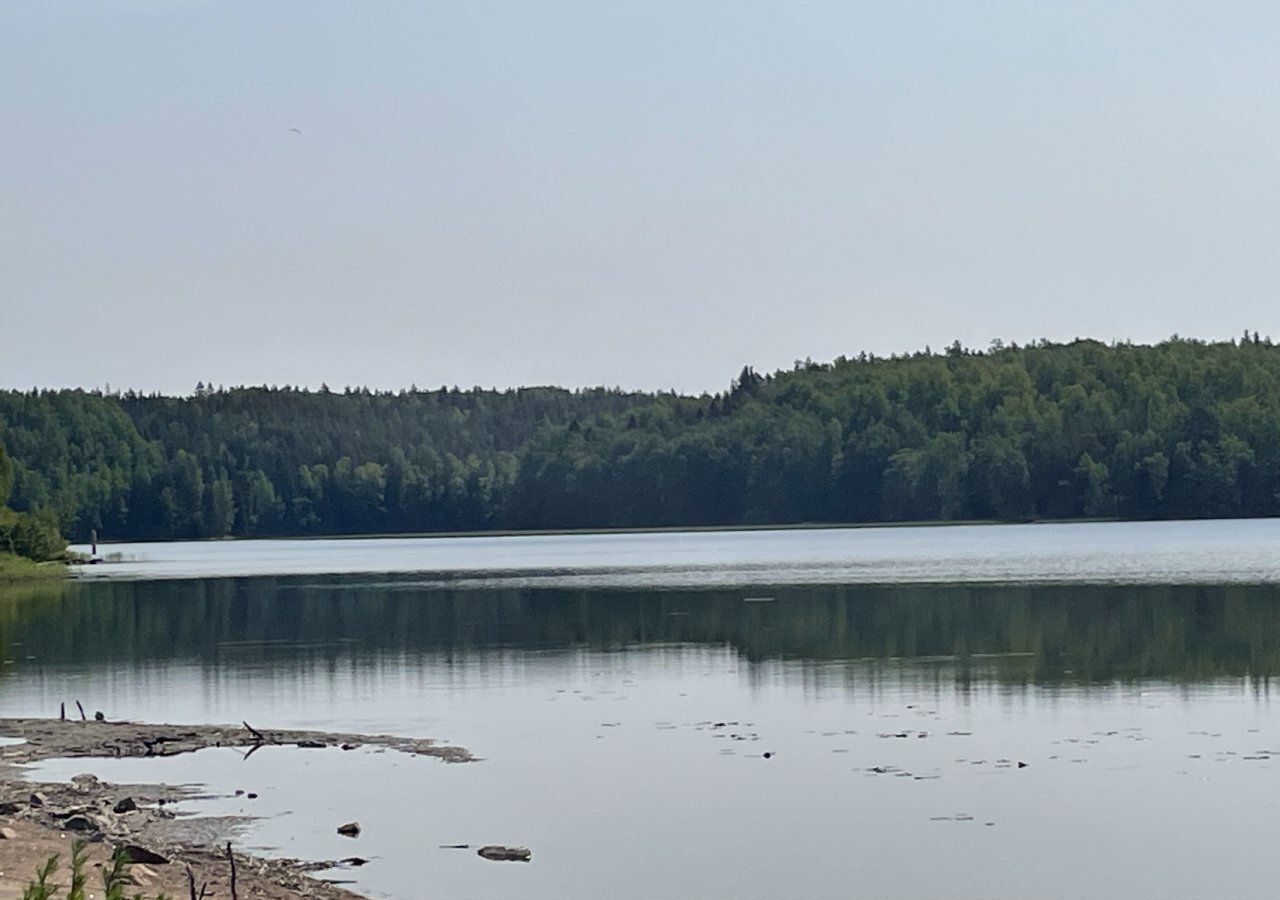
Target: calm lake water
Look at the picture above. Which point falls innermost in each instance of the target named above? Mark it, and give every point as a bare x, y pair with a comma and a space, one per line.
623, 689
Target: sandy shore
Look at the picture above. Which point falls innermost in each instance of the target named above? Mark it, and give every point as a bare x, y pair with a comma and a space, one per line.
38, 820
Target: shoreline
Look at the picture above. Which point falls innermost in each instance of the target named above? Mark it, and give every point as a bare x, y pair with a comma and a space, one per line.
40, 819
20, 570
639, 529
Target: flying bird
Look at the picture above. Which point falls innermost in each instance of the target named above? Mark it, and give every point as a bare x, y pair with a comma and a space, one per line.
296, 130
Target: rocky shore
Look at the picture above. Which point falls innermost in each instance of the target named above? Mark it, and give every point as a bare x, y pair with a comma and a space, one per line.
168, 853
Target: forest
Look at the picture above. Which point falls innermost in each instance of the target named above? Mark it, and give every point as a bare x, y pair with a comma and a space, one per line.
1180, 429
32, 535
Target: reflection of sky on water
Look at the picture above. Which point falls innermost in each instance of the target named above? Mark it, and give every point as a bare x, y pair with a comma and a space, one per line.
1235, 551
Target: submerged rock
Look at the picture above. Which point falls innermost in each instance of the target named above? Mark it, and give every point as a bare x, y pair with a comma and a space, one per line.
505, 854
351, 829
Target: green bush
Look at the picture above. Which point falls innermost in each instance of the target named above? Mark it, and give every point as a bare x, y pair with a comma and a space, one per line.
33, 535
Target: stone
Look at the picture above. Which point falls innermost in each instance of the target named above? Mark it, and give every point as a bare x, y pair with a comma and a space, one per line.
37, 800
80, 823
8, 834
351, 829
135, 854
99, 717
9, 809
142, 874
505, 854
126, 805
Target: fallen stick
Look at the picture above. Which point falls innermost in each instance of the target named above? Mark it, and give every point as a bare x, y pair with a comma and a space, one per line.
258, 735
191, 886
231, 859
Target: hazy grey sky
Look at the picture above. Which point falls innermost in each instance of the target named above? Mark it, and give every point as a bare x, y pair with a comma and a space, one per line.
648, 194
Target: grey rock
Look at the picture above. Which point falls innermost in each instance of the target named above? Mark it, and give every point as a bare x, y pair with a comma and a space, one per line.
351, 829
135, 854
80, 823
505, 854
126, 805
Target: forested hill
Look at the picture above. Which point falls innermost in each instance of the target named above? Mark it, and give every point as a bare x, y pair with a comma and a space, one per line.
1181, 429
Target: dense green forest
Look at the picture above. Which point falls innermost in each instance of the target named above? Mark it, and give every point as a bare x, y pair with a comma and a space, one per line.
1181, 429
33, 535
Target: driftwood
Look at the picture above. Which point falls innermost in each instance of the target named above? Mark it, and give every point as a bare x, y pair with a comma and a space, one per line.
191, 886
232, 860
258, 735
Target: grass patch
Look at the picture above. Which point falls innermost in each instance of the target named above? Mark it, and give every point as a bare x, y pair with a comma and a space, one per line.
115, 879
18, 568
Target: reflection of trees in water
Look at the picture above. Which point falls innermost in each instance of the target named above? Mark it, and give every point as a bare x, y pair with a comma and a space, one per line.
1007, 634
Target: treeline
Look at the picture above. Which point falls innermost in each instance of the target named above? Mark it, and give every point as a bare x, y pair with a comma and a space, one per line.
33, 535
1181, 429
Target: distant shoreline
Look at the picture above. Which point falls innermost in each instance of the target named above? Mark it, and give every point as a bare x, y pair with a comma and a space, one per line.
653, 529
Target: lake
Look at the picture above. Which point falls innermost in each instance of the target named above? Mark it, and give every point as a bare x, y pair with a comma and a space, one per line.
959, 712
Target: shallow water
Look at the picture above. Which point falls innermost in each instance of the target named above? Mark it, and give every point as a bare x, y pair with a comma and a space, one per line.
1142, 712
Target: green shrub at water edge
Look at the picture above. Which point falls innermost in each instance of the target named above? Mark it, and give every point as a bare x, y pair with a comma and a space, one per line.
32, 535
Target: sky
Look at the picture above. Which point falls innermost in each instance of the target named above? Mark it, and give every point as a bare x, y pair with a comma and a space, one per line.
646, 195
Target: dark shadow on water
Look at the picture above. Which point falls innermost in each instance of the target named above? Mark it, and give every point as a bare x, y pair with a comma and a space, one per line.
1007, 634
